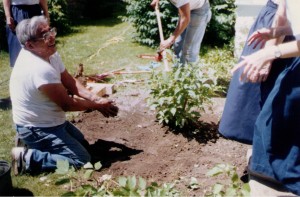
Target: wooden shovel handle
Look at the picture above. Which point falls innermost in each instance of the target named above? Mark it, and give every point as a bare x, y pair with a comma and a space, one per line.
161, 36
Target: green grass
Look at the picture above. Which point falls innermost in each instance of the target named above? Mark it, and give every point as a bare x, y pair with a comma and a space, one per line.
101, 46
6, 126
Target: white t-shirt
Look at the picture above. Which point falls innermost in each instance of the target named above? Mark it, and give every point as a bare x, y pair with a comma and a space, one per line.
30, 106
293, 14
194, 4
24, 2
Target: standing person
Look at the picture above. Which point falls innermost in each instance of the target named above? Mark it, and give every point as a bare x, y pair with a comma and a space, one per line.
16, 11
39, 87
275, 160
243, 101
194, 16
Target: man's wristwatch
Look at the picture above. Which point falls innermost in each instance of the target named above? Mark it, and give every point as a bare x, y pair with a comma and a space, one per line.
277, 53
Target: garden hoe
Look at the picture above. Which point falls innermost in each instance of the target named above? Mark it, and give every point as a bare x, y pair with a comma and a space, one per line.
158, 57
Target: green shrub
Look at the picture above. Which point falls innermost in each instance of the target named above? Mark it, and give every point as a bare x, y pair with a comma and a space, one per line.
221, 27
143, 18
180, 95
97, 9
59, 15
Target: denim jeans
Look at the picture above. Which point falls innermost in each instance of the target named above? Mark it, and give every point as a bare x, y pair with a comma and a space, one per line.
47, 145
187, 45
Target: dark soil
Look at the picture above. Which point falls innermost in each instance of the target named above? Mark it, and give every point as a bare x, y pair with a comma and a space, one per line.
134, 143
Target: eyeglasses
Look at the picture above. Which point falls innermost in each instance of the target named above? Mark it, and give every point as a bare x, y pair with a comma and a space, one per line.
46, 36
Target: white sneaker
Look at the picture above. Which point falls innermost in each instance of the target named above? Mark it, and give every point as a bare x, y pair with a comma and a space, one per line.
18, 160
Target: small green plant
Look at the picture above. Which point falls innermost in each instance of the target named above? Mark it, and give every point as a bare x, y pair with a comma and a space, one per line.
222, 61
180, 95
130, 186
234, 188
83, 183
76, 179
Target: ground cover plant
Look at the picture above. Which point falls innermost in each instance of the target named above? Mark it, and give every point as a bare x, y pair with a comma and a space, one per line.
133, 144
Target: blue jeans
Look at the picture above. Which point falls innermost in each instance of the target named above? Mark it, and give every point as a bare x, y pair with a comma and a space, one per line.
187, 45
47, 145
276, 140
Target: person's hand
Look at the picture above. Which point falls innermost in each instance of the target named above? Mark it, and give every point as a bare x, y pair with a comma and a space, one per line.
256, 67
10, 23
153, 3
106, 107
166, 44
260, 37
261, 75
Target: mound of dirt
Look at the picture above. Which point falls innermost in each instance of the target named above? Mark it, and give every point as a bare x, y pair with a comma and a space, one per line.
133, 143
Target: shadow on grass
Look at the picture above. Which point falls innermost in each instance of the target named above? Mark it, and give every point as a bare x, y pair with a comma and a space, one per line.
21, 192
5, 103
108, 152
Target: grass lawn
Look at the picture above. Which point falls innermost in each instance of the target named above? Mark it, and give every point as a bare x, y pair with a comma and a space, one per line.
100, 46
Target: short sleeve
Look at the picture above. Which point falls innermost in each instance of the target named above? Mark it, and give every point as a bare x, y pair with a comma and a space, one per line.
57, 63
179, 3
46, 77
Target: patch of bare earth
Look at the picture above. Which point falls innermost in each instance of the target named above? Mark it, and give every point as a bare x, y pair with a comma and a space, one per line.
133, 143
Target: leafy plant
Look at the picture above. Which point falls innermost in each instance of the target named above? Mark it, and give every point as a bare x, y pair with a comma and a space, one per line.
234, 188
76, 179
130, 186
222, 61
221, 27
86, 185
180, 95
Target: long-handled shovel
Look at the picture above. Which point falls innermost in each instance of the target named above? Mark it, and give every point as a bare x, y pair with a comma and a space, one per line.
161, 35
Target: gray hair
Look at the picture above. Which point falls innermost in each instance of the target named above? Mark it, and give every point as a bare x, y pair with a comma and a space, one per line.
27, 29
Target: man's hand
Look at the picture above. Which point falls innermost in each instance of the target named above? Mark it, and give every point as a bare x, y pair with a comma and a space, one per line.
165, 44
106, 107
154, 3
260, 37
